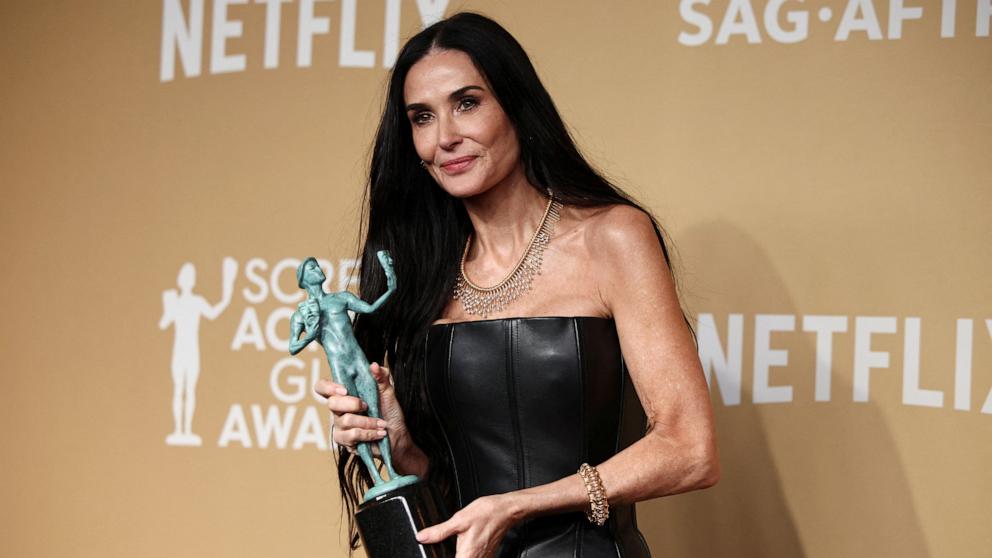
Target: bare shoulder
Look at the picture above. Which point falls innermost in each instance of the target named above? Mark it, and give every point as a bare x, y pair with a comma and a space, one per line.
628, 263
616, 233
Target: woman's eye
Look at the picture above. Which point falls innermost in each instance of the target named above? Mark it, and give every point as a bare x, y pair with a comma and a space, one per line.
421, 118
467, 103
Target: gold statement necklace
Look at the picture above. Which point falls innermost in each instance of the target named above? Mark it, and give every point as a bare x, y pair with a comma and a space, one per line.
482, 301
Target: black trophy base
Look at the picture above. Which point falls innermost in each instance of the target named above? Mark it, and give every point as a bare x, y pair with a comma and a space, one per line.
389, 523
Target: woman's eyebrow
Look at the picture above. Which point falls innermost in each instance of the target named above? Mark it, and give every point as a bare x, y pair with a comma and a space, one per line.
452, 97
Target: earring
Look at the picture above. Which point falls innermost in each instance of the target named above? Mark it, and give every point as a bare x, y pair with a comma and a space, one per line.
423, 164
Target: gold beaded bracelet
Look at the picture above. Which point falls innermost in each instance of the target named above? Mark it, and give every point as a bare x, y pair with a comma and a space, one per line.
599, 507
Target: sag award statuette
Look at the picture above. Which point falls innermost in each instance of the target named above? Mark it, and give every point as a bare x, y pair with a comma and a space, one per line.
392, 511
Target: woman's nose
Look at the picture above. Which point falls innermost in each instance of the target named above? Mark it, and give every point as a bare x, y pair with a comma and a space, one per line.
448, 133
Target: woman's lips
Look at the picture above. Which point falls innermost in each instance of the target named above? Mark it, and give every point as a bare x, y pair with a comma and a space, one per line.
459, 165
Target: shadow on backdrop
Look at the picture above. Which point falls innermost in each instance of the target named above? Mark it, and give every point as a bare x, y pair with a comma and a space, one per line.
798, 479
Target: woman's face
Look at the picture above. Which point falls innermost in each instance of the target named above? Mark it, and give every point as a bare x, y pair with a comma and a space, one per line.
459, 128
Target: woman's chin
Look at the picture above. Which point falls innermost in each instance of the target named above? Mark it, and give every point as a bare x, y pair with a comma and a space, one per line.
464, 189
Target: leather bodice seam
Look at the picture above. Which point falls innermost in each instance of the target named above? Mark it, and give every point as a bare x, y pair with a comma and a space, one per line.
461, 435
437, 417
584, 455
511, 391
577, 529
622, 396
472, 462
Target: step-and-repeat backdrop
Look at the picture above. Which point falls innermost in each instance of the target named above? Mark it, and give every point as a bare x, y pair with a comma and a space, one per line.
822, 166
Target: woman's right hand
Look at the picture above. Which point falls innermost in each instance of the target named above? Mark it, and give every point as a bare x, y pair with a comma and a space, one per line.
352, 426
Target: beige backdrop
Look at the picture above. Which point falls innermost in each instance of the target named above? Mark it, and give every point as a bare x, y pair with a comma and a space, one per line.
842, 174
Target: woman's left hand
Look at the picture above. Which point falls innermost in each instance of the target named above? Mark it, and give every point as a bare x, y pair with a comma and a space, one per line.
480, 526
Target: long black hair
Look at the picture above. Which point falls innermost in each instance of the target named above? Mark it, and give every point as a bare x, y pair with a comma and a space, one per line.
425, 229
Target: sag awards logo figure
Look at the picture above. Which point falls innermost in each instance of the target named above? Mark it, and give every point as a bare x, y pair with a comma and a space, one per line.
183, 310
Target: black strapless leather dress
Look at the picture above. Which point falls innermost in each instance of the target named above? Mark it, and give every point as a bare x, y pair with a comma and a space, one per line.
525, 401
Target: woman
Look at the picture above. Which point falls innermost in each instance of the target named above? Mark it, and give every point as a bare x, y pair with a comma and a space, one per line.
501, 394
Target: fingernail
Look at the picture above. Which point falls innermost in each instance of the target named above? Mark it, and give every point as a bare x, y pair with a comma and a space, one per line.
381, 432
365, 406
382, 424
341, 391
